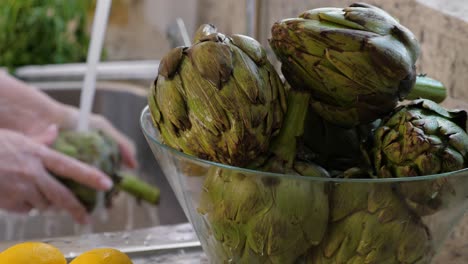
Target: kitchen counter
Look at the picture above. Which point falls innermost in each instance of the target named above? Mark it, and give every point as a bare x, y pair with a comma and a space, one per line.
178, 244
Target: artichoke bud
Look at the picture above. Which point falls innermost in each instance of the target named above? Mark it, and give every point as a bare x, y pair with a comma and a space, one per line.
252, 216
375, 226
97, 149
219, 99
93, 148
421, 138
204, 31
170, 62
358, 61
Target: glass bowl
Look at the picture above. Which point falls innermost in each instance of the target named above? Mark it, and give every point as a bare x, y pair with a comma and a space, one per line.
248, 216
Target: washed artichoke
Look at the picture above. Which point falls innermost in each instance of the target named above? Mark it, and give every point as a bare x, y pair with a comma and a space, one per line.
370, 224
219, 99
339, 148
421, 138
264, 219
97, 149
358, 61
261, 219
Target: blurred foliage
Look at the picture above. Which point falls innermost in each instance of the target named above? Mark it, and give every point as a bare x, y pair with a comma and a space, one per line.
43, 31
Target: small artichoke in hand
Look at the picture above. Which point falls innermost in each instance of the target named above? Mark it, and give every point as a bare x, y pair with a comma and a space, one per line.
219, 99
101, 151
421, 138
357, 61
370, 224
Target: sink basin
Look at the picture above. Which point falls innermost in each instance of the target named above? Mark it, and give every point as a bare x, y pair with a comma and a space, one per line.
121, 104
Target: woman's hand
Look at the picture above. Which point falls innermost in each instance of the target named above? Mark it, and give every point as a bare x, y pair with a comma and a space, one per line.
30, 111
25, 182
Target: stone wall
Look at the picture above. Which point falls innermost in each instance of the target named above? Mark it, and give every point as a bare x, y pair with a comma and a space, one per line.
138, 28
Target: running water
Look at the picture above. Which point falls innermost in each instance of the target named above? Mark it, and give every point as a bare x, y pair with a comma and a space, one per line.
130, 223
9, 223
100, 212
89, 84
94, 54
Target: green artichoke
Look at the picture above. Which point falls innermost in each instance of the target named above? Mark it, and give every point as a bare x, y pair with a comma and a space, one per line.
421, 138
358, 61
261, 219
264, 219
219, 99
370, 224
99, 150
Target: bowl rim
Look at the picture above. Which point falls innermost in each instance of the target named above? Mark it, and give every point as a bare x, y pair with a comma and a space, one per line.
176, 152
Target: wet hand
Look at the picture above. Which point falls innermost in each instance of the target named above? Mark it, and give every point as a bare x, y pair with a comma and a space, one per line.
25, 181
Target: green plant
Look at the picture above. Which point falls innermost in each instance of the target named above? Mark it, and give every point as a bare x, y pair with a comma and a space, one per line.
43, 31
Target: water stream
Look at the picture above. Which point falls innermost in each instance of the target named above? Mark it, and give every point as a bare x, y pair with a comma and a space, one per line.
98, 33
94, 54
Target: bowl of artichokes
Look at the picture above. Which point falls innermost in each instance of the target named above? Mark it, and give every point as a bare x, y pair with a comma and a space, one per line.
344, 156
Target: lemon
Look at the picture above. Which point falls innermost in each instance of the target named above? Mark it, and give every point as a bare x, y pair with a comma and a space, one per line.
32, 252
102, 256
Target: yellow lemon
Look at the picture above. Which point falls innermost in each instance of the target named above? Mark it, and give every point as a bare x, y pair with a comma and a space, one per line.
32, 252
102, 256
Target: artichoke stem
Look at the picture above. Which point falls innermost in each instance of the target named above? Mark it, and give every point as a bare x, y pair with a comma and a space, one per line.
428, 88
285, 143
132, 185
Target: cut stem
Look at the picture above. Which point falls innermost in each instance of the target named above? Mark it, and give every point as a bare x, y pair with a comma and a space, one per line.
428, 88
132, 185
285, 143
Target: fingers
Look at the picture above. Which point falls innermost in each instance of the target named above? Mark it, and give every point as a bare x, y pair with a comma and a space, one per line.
47, 136
127, 148
16, 206
20, 208
37, 200
67, 167
21, 197
128, 155
59, 196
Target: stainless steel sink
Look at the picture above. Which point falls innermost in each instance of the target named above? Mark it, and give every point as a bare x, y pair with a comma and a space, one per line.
121, 104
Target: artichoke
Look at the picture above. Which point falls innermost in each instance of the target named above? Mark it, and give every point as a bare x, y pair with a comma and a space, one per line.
357, 61
264, 219
219, 99
370, 224
421, 138
261, 219
99, 150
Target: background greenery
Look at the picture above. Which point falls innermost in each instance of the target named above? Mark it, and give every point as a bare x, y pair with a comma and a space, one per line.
43, 31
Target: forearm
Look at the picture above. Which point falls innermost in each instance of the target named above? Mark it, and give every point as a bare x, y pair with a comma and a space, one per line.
22, 105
